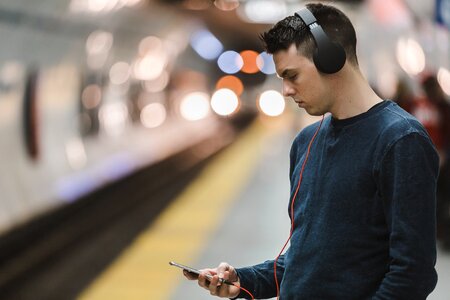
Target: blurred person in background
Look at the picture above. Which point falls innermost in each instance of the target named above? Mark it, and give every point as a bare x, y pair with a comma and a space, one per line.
404, 96
363, 182
438, 125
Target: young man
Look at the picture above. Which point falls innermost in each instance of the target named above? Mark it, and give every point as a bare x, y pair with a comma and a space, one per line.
363, 204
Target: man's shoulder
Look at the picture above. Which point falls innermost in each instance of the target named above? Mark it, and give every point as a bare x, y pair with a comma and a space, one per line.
396, 123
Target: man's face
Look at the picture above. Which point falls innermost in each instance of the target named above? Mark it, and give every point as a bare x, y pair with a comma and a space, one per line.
302, 81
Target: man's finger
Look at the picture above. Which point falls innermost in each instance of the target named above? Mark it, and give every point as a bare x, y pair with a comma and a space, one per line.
203, 282
214, 285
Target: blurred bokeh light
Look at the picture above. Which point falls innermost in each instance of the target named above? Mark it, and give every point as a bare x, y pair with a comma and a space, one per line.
265, 63
230, 62
91, 96
443, 77
195, 106
226, 5
206, 44
249, 59
230, 82
119, 73
271, 103
410, 56
153, 115
224, 102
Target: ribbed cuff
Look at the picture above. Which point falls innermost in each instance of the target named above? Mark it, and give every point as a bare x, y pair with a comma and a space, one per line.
245, 275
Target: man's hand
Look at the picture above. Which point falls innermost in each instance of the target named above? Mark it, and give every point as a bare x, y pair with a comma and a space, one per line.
209, 279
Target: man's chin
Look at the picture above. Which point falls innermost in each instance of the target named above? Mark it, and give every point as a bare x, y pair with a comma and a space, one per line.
313, 112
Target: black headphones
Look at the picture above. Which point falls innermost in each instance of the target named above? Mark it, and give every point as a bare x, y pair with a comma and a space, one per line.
329, 57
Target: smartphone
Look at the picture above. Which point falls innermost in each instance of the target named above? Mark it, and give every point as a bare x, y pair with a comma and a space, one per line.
188, 269
197, 272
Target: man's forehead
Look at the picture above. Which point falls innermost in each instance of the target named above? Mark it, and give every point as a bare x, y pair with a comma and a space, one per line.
287, 62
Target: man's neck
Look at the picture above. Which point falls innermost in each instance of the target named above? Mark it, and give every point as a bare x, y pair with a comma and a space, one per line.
354, 96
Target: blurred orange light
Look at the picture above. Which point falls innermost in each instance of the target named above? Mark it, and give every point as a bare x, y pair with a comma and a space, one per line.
91, 96
249, 57
230, 82
226, 5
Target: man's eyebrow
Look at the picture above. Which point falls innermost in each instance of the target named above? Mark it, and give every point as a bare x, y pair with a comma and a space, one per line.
285, 73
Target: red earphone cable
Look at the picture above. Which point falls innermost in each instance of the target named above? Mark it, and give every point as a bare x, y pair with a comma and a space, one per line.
292, 206
251, 295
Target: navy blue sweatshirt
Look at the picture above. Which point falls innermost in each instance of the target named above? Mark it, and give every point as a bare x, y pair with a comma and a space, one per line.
364, 214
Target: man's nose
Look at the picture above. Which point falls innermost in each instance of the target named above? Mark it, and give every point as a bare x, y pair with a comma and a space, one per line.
288, 91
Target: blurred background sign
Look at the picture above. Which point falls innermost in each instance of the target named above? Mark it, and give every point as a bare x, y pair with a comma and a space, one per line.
443, 12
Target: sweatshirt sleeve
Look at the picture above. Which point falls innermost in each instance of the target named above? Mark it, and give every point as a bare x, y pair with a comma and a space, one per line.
408, 186
259, 279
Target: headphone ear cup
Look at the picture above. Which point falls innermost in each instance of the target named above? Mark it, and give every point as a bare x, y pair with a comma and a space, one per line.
329, 57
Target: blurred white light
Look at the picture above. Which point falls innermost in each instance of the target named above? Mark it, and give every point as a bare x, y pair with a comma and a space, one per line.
264, 11
98, 45
265, 63
230, 62
153, 115
206, 44
112, 5
97, 5
410, 56
130, 3
224, 102
443, 77
150, 66
119, 73
99, 42
91, 96
149, 44
195, 106
387, 82
113, 117
158, 84
76, 153
271, 103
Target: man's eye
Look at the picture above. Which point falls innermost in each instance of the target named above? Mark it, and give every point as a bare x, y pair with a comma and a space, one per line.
292, 77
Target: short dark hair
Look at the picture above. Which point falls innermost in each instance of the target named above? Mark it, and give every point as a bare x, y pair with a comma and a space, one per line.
292, 30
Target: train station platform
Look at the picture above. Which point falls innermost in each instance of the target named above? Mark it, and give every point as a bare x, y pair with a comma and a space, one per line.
234, 211
230, 207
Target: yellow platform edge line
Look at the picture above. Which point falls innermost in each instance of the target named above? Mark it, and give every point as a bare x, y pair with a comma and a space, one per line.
182, 230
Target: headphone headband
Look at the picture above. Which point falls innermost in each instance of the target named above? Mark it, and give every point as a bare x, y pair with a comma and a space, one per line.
329, 57
306, 16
